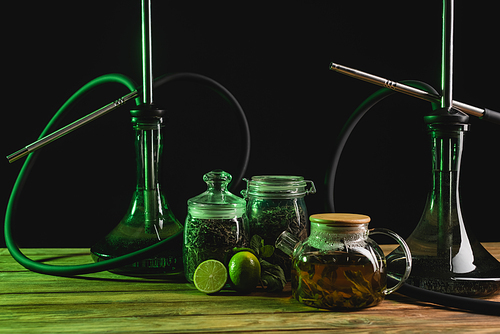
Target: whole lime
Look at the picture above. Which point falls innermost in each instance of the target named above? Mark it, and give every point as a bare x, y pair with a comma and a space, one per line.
244, 271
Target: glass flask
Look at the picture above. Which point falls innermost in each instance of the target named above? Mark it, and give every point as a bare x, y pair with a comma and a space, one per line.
275, 203
447, 258
339, 267
148, 219
214, 224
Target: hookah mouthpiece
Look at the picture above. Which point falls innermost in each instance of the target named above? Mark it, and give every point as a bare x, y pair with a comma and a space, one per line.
484, 114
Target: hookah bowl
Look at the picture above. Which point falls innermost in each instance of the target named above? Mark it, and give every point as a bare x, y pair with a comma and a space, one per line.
446, 257
149, 219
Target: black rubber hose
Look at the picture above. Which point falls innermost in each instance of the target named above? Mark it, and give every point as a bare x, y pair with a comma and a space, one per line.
226, 94
456, 302
349, 126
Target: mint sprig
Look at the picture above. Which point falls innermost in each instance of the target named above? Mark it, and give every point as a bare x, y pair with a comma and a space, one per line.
272, 275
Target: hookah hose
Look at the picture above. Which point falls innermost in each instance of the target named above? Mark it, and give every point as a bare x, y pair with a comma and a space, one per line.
28, 164
457, 302
221, 90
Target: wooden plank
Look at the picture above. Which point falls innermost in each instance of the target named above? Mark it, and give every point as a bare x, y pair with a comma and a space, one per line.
106, 302
117, 318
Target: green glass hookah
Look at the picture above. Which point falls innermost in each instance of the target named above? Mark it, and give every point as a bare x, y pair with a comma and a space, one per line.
148, 240
446, 257
149, 218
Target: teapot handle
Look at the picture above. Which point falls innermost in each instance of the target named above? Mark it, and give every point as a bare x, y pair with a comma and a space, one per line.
406, 250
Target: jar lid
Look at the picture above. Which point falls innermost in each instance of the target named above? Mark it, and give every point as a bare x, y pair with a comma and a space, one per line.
278, 186
339, 219
216, 202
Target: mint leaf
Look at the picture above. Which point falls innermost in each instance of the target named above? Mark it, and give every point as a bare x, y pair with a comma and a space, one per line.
256, 243
266, 251
272, 276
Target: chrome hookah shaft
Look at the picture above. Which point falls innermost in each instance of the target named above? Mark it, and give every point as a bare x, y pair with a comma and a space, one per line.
147, 57
444, 221
150, 182
447, 55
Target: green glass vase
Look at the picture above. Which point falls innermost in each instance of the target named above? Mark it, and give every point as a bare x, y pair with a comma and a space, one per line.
149, 219
446, 256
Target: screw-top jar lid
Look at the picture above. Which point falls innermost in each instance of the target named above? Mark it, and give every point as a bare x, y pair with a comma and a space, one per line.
339, 219
216, 202
278, 186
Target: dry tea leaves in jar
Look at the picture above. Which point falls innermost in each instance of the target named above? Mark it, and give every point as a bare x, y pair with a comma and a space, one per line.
213, 225
275, 203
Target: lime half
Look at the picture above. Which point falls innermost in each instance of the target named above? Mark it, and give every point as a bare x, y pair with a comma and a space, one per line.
210, 276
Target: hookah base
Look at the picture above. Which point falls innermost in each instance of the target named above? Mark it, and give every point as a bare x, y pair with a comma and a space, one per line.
429, 273
479, 287
165, 264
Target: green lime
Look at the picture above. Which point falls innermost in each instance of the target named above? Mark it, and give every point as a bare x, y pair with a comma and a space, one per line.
210, 276
244, 271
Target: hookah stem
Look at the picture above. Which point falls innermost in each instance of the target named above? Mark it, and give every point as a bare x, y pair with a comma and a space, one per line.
150, 189
447, 55
446, 190
147, 58
150, 201
445, 235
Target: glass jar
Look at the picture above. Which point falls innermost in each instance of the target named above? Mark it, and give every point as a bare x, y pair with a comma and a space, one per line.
275, 203
338, 266
214, 224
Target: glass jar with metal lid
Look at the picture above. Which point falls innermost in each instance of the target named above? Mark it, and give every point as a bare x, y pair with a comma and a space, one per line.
275, 203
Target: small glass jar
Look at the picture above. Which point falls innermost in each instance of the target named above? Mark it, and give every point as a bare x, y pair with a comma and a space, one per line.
214, 224
275, 203
338, 266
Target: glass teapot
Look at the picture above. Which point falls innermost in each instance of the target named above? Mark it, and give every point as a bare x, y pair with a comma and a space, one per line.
338, 266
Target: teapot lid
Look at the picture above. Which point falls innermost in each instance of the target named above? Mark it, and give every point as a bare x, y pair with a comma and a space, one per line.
339, 219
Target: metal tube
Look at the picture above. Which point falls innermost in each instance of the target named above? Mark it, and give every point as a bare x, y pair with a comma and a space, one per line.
147, 58
405, 89
447, 55
71, 127
150, 189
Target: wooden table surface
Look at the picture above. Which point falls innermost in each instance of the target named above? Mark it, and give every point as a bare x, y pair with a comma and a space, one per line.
109, 303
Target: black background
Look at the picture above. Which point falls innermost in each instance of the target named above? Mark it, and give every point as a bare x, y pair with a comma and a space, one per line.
273, 57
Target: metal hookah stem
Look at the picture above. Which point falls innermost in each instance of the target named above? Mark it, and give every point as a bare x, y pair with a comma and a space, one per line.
147, 57
447, 55
150, 189
445, 219
151, 196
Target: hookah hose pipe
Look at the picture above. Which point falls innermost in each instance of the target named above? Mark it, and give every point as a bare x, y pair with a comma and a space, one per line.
457, 302
29, 162
226, 94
